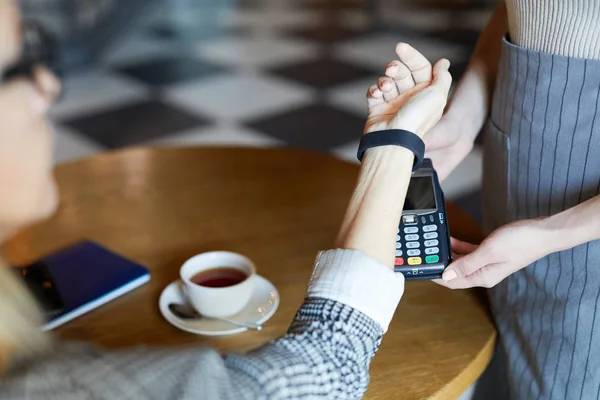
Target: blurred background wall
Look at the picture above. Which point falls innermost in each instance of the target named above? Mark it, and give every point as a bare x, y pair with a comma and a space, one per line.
242, 72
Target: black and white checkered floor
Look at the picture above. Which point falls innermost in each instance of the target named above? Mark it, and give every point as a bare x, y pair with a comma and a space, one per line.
260, 73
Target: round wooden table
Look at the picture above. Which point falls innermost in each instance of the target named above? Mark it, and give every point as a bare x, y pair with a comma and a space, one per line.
278, 207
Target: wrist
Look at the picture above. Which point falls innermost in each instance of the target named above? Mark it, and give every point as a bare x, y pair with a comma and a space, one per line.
389, 158
375, 208
554, 235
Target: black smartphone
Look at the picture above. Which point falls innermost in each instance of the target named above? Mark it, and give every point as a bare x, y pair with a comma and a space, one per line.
423, 238
41, 284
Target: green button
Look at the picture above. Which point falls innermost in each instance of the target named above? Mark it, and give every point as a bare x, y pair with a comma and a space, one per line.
432, 259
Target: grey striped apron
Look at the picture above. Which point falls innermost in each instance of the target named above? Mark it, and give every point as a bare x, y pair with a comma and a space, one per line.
542, 156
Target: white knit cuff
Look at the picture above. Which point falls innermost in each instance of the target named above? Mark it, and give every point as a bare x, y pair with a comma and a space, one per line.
359, 281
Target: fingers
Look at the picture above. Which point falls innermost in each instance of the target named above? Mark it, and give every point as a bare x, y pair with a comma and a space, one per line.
459, 268
461, 247
388, 87
441, 76
10, 33
466, 265
418, 65
400, 74
413, 68
374, 96
486, 277
463, 283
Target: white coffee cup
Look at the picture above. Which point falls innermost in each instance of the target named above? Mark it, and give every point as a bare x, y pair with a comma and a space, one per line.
218, 302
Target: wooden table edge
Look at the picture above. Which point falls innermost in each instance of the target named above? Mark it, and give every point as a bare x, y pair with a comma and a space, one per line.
457, 386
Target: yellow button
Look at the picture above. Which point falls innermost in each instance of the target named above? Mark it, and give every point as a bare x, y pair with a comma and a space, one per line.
414, 261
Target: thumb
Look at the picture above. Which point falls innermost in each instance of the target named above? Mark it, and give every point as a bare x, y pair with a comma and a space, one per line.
467, 264
441, 76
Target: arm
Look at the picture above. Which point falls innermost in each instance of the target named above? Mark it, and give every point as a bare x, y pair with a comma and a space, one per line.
350, 301
531, 239
471, 100
572, 227
451, 140
372, 216
329, 345
354, 292
353, 325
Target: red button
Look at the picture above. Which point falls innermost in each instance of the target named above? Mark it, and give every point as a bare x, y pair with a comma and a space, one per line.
399, 261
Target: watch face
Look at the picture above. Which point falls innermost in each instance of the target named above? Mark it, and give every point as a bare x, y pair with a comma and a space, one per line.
420, 195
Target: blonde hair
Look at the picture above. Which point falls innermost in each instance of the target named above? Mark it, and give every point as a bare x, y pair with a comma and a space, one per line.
21, 336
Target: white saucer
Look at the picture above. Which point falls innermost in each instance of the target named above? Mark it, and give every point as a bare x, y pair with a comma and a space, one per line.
260, 308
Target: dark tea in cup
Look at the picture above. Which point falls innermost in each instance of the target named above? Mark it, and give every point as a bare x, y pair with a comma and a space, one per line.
218, 283
219, 277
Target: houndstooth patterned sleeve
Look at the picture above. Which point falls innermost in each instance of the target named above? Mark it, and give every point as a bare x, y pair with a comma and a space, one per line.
324, 355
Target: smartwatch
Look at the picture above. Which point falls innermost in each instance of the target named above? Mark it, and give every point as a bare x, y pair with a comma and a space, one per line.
393, 137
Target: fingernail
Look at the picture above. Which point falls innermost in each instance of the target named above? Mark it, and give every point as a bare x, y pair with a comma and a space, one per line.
447, 64
448, 275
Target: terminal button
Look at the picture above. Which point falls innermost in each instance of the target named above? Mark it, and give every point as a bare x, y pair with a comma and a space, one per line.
414, 261
409, 219
429, 228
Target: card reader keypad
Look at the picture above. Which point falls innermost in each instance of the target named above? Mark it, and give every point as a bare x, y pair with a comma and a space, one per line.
417, 241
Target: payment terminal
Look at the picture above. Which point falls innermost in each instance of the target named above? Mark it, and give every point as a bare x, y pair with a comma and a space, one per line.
423, 238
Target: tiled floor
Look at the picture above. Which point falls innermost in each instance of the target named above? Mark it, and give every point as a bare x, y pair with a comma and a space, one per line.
256, 73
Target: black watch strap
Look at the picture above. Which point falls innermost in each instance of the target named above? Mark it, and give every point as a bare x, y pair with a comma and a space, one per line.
393, 137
